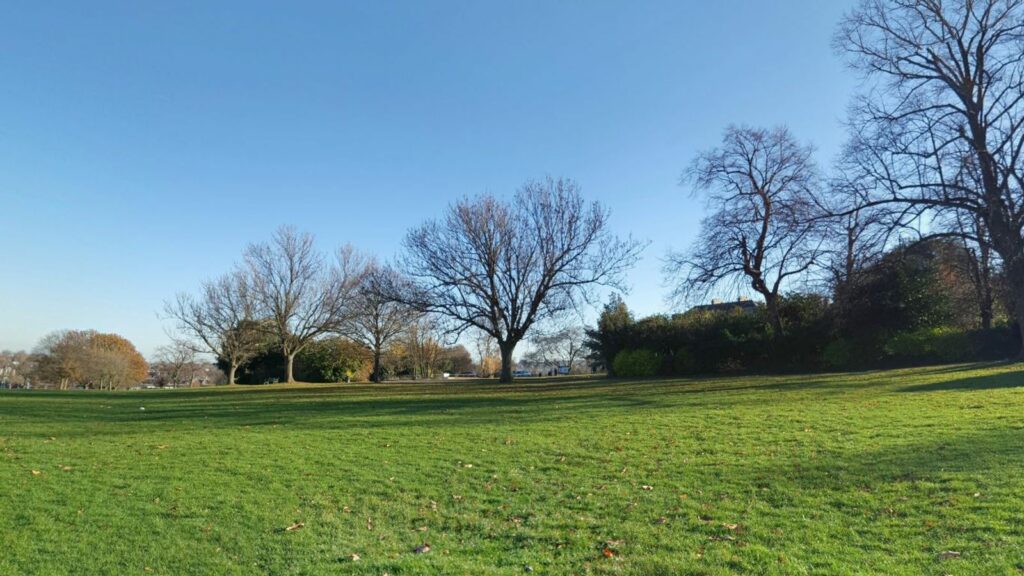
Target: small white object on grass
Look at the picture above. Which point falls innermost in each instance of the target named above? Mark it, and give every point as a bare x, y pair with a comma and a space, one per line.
142, 407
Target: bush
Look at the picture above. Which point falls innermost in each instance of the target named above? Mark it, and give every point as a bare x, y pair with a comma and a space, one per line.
948, 345
838, 354
636, 363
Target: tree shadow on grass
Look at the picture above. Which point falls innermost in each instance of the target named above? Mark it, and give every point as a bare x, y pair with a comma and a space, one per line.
379, 406
1014, 379
977, 454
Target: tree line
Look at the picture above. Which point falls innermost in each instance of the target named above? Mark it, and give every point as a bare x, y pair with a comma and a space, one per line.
929, 188
499, 268
929, 183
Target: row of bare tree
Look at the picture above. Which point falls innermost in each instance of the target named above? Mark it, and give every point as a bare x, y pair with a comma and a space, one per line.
935, 148
498, 267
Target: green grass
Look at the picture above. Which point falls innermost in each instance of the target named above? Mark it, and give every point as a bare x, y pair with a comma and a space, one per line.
871, 473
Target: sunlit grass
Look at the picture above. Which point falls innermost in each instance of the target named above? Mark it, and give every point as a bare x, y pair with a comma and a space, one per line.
870, 473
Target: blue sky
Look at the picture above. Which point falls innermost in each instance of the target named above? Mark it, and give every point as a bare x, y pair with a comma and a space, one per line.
144, 144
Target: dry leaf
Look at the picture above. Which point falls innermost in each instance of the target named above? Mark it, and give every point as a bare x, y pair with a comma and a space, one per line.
295, 526
647, 487
422, 549
608, 552
36, 472
661, 520
949, 554
732, 527
354, 557
421, 529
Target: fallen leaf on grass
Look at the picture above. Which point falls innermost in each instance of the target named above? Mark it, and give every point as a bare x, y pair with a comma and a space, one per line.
354, 557
162, 446
647, 487
608, 553
661, 520
421, 529
732, 527
422, 549
36, 472
295, 526
949, 555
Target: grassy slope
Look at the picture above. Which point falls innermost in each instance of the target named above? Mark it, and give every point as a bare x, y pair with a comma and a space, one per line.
874, 473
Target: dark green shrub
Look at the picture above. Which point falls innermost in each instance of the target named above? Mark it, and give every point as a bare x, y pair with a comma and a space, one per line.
637, 363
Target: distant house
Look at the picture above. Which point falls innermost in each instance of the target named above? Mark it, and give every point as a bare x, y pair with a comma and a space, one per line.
745, 304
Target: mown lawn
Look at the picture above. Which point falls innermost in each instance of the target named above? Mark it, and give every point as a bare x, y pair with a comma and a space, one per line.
871, 473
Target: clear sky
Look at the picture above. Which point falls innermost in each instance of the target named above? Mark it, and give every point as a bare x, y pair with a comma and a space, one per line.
144, 144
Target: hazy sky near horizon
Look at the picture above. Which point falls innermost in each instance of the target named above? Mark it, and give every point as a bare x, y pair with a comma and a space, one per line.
143, 144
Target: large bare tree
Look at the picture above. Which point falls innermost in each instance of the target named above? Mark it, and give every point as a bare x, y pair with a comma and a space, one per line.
221, 320
298, 291
943, 115
763, 230
503, 266
379, 313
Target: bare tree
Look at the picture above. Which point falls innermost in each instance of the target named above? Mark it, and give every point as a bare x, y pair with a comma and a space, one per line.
176, 363
488, 358
423, 347
302, 296
378, 316
61, 357
558, 347
503, 266
978, 264
16, 368
943, 114
764, 229
221, 320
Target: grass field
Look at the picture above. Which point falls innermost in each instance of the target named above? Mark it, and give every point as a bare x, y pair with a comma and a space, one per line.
870, 473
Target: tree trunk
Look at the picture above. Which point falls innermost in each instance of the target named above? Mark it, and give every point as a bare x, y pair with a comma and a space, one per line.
1020, 319
290, 372
771, 302
231, 373
376, 366
506, 360
986, 315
